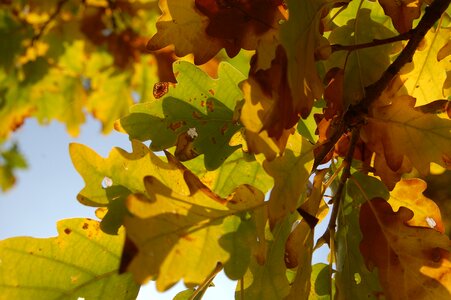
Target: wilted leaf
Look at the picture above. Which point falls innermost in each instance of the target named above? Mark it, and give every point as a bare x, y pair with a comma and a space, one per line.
81, 262
399, 131
409, 193
196, 115
185, 236
412, 262
425, 76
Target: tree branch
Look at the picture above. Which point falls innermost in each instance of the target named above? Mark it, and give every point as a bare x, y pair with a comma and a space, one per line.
373, 91
337, 198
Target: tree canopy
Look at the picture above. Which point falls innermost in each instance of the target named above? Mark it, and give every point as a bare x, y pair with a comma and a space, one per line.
250, 122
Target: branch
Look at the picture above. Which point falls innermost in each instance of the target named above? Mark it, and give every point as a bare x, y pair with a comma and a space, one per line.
376, 42
355, 114
59, 6
373, 91
337, 199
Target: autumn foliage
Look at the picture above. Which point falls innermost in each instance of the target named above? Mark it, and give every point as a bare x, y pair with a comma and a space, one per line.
265, 117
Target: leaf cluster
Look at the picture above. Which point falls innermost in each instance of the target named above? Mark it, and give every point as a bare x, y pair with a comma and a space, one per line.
340, 100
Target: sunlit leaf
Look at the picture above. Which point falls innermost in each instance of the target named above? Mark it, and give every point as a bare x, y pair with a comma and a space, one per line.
239, 168
425, 76
196, 115
409, 193
399, 131
184, 236
301, 38
266, 279
81, 262
290, 172
362, 67
412, 262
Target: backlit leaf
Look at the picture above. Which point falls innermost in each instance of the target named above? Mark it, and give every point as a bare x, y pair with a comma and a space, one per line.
182, 25
364, 66
402, 13
425, 76
185, 236
81, 262
412, 262
267, 279
301, 38
409, 193
196, 115
290, 172
399, 131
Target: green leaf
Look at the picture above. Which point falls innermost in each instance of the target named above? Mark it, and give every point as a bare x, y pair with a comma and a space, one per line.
362, 67
320, 282
266, 277
10, 160
353, 279
81, 262
197, 103
290, 172
239, 168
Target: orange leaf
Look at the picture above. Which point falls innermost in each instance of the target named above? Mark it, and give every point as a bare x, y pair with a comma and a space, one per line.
409, 193
413, 262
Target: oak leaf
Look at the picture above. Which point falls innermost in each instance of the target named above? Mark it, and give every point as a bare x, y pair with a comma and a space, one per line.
412, 262
248, 24
301, 39
290, 172
81, 262
175, 236
398, 131
409, 193
402, 13
425, 77
196, 115
184, 26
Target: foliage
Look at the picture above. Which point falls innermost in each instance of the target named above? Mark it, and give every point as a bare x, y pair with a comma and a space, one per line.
294, 99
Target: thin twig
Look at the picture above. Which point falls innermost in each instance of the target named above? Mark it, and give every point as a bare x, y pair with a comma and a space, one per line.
355, 115
203, 287
376, 42
59, 6
339, 193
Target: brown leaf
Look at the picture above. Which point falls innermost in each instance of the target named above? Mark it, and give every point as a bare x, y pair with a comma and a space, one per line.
402, 13
413, 262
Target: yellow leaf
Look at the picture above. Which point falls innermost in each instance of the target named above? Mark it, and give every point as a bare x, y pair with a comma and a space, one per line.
425, 76
409, 193
290, 172
412, 262
398, 131
180, 236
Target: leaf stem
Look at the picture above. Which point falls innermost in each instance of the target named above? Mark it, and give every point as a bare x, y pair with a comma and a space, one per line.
326, 237
204, 286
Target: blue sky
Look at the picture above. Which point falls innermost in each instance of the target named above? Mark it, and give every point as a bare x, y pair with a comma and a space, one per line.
46, 192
